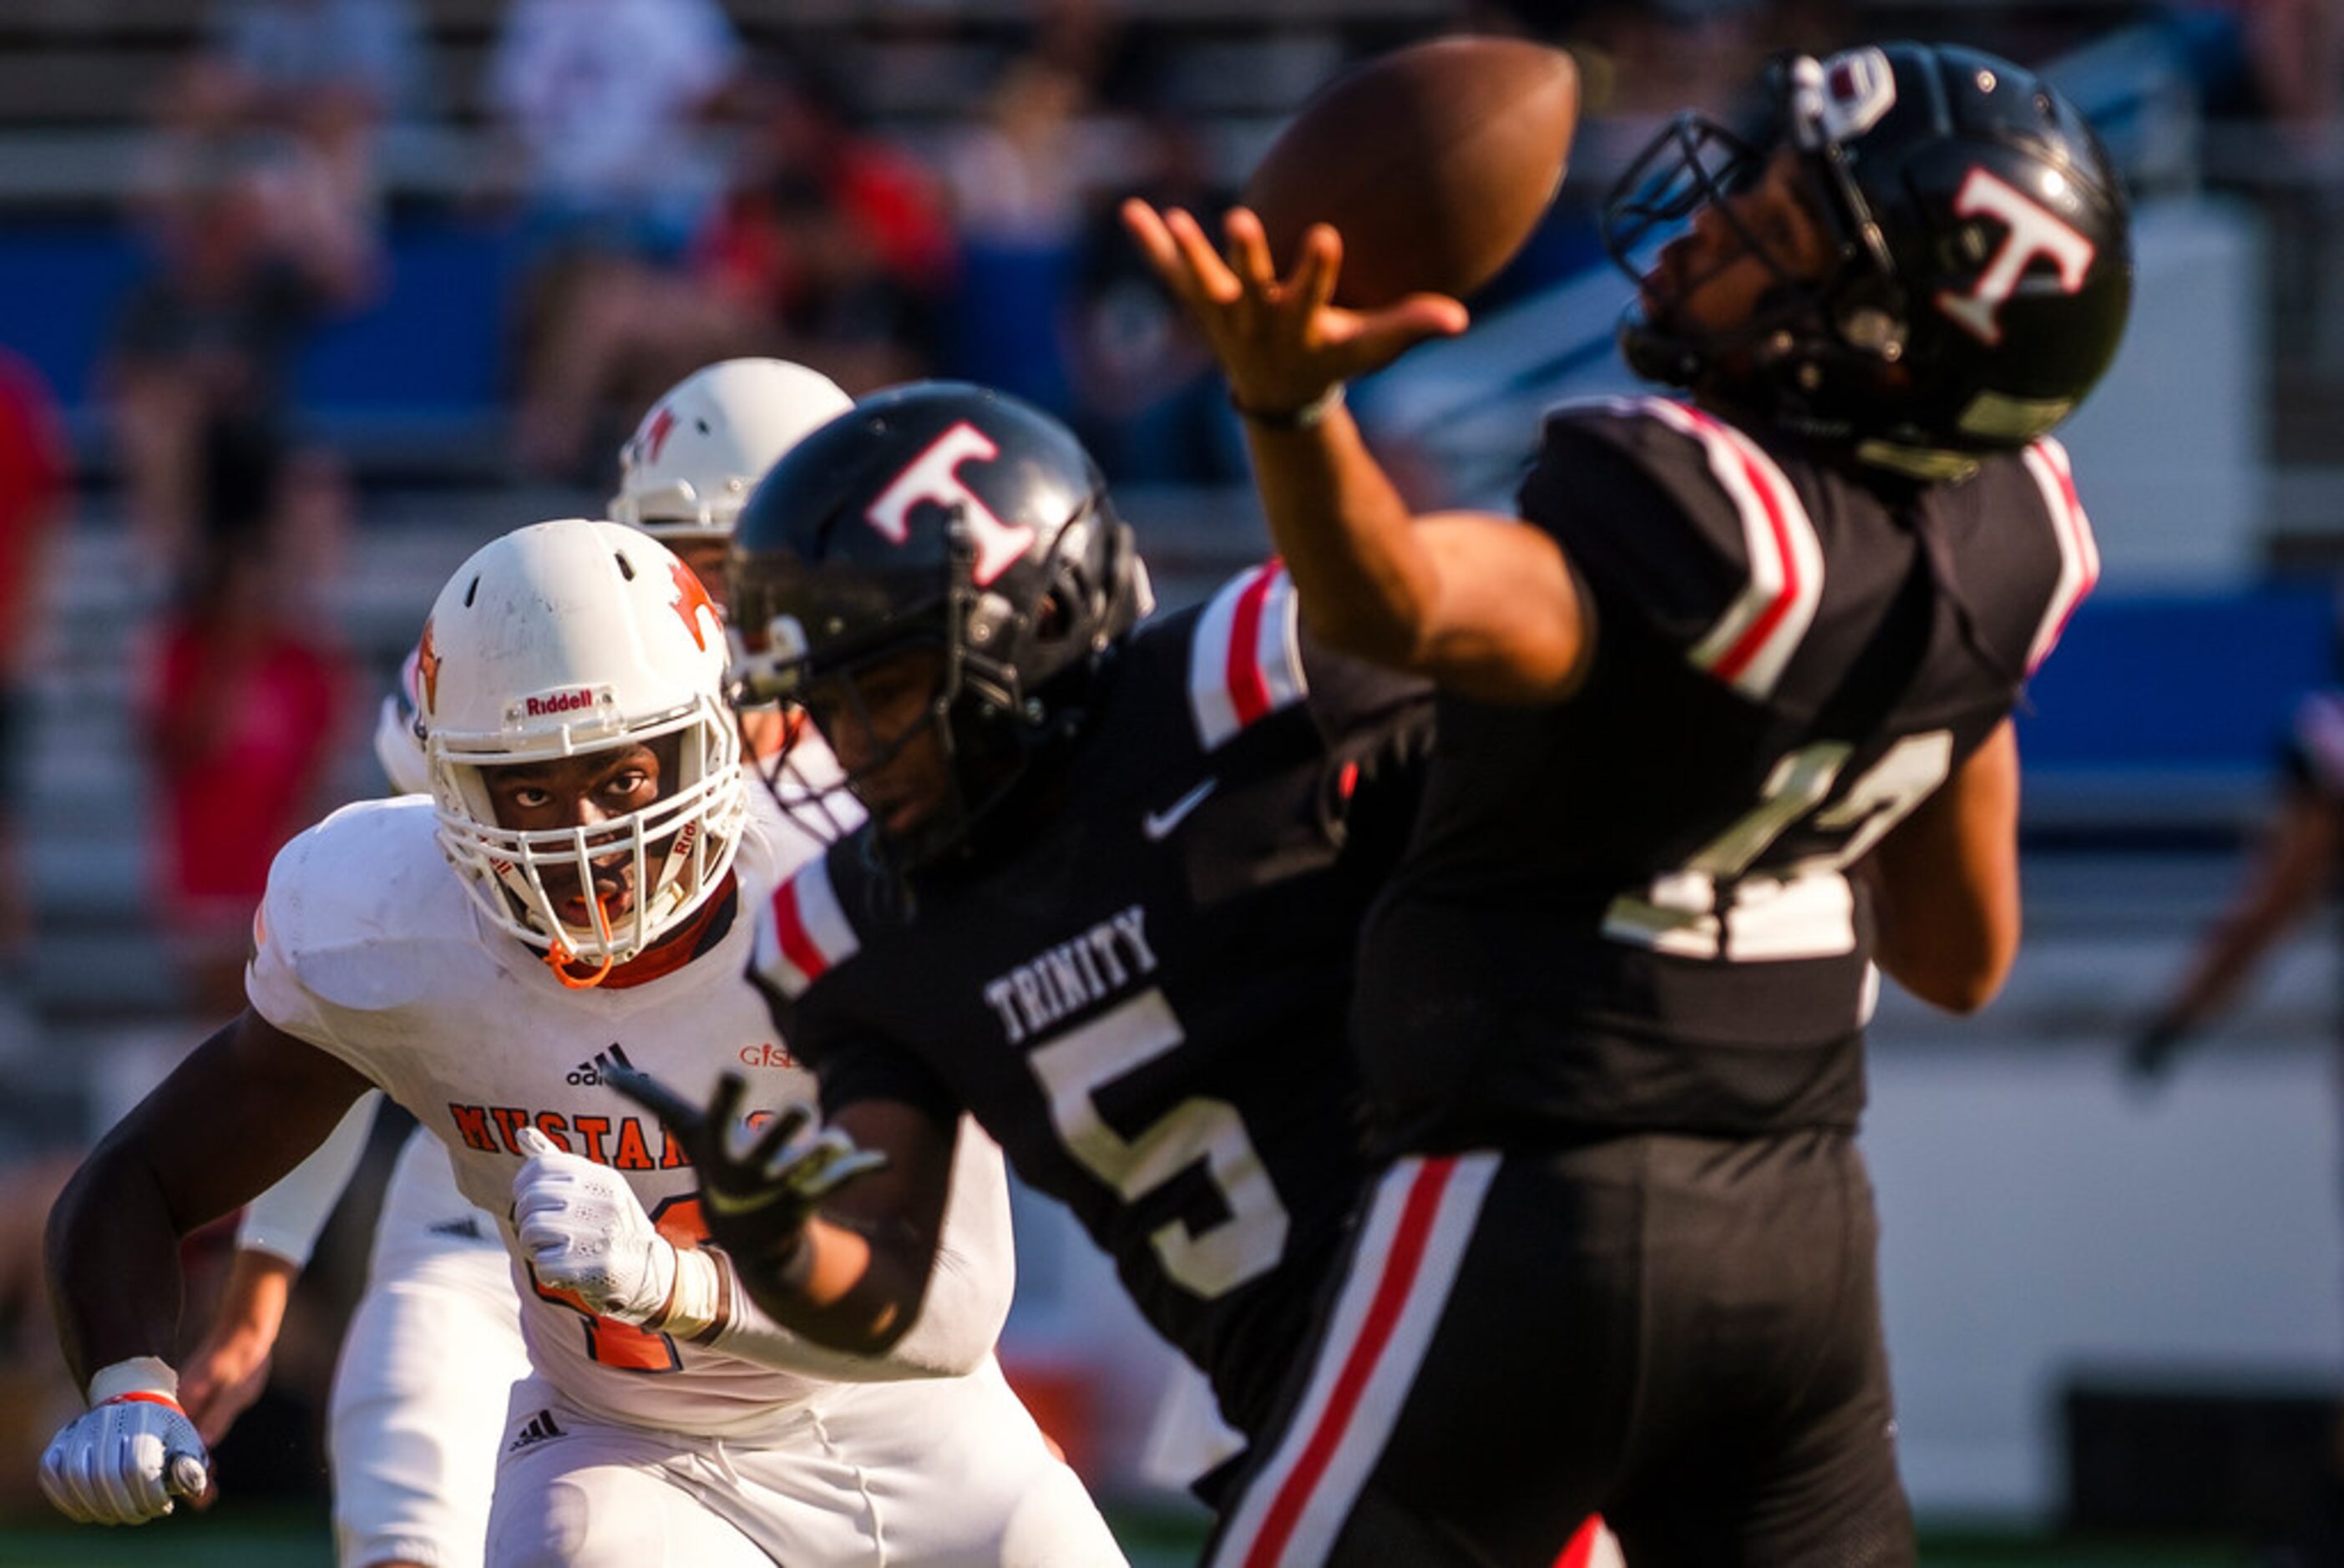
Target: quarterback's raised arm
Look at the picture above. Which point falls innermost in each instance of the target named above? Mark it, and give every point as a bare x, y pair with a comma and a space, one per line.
1478, 603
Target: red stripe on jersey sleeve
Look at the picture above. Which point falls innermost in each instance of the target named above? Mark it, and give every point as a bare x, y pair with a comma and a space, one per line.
1745, 648
1249, 686
790, 932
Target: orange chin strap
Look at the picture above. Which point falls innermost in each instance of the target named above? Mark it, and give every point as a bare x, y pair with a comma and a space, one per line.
559, 958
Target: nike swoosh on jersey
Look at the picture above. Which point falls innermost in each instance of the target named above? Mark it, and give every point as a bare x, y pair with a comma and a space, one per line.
1157, 823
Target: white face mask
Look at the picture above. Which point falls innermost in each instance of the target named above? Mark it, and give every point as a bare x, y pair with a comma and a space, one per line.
558, 640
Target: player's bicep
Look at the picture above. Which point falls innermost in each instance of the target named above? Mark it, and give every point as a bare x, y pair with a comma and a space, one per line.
1509, 624
242, 1110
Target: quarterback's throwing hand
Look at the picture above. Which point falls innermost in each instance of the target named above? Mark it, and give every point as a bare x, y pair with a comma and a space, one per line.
757, 1184
1283, 343
130, 1455
584, 1231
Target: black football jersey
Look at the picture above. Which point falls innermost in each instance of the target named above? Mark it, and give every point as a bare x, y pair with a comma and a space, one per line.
1632, 909
1144, 999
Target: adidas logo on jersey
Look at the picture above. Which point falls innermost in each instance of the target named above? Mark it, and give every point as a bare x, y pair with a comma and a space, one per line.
588, 1074
540, 1427
468, 1228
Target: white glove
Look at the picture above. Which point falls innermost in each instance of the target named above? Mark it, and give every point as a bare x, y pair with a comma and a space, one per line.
585, 1231
122, 1460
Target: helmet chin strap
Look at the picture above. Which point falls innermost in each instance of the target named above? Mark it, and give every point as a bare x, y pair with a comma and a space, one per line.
559, 958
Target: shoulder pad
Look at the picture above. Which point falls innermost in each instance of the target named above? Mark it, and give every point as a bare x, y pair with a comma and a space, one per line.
803, 931
1765, 523
2079, 556
362, 908
1245, 655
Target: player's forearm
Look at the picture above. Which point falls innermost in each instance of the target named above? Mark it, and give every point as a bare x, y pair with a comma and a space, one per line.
1365, 582
2286, 885
973, 1268
950, 1334
2234, 952
839, 1287
113, 1259
252, 1304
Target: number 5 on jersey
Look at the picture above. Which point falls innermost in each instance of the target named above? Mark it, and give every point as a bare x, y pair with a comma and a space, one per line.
1210, 1260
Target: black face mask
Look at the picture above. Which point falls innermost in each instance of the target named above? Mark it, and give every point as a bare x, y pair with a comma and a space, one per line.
1696, 162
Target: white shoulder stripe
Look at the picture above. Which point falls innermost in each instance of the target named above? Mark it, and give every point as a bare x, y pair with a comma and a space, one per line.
2079, 556
1245, 663
803, 933
1751, 643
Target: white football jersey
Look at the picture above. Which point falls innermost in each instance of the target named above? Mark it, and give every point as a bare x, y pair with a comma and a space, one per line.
368, 948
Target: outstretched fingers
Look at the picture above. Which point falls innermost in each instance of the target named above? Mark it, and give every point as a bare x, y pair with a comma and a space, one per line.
1175, 247
1384, 335
769, 1151
1317, 270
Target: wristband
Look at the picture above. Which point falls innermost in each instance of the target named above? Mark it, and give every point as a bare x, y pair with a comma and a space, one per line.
1309, 416
695, 1305
137, 1375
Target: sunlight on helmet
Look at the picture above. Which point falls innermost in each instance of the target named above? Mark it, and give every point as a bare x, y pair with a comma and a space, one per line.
688, 469
558, 640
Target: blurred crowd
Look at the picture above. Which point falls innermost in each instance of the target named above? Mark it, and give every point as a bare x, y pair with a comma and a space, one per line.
666, 195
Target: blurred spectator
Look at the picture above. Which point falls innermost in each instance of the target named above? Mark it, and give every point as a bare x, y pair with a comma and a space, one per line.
834, 249
2280, 60
35, 1389
242, 706
1153, 407
285, 58
602, 99
34, 497
322, 77
2297, 865
602, 102
1015, 176
253, 253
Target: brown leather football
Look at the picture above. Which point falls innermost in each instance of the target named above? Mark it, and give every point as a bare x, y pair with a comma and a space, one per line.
1434, 162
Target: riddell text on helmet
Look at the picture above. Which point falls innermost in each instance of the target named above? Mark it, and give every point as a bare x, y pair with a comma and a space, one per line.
558, 703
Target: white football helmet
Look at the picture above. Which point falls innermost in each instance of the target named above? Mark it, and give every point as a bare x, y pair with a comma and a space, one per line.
571, 637
695, 457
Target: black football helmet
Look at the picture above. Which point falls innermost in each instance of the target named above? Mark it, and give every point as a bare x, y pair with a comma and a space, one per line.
946, 516
1986, 265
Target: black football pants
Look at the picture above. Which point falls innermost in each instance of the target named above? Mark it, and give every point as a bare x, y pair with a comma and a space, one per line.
1680, 1333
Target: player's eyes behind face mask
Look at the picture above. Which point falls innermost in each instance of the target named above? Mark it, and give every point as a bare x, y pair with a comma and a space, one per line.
885, 722
559, 658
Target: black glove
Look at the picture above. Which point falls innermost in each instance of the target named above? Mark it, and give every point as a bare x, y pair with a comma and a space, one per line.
2150, 1052
756, 1190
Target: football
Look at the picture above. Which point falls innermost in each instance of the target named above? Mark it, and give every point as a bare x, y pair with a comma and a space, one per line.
1434, 162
